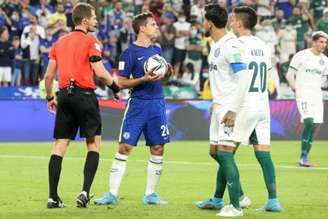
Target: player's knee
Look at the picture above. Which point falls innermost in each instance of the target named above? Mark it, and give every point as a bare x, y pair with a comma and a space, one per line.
60, 147
125, 149
214, 156
157, 150
308, 123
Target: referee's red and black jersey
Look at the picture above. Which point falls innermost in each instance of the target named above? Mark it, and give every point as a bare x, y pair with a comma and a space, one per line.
71, 53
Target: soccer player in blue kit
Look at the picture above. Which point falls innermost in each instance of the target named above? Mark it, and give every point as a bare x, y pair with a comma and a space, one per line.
144, 113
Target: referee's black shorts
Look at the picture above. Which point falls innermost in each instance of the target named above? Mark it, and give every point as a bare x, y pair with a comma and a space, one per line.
80, 110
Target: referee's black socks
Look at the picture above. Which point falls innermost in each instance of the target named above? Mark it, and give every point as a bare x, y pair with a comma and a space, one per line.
90, 169
54, 169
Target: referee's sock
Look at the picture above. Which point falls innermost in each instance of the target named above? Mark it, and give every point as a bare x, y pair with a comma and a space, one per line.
54, 169
90, 169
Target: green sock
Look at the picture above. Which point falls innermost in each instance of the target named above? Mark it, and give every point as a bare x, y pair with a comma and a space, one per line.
220, 183
264, 158
227, 161
306, 136
311, 139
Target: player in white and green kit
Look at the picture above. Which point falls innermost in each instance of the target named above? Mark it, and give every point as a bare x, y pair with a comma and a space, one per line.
305, 76
227, 70
253, 118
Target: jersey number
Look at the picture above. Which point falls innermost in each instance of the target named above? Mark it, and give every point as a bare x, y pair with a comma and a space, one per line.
262, 68
165, 130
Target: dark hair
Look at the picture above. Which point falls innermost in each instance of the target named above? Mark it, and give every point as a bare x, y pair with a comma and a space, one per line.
15, 38
316, 36
247, 15
140, 20
217, 14
80, 11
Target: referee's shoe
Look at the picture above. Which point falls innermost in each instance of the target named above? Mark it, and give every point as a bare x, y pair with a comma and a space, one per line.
83, 199
55, 203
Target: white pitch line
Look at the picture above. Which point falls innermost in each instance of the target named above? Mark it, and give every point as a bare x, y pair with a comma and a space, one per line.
10, 156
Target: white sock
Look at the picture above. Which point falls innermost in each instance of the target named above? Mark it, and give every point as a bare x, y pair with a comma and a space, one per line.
117, 172
154, 171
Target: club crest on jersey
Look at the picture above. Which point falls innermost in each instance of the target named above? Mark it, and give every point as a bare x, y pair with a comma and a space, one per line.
321, 62
217, 52
126, 135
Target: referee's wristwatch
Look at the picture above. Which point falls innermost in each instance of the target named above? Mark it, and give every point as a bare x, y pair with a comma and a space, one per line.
50, 98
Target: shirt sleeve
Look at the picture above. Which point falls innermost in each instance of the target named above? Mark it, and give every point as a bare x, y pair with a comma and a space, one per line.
95, 48
235, 56
125, 64
295, 63
52, 53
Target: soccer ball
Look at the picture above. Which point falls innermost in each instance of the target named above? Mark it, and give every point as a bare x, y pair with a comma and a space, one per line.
156, 62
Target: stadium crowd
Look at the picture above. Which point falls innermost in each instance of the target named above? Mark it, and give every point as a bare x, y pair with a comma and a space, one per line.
28, 28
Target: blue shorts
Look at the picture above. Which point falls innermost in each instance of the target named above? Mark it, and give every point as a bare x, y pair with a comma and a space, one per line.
147, 117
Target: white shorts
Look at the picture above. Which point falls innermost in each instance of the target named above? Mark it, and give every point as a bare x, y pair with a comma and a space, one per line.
5, 74
219, 134
311, 108
252, 127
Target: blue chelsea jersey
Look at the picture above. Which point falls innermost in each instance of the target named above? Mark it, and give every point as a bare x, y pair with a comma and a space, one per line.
131, 64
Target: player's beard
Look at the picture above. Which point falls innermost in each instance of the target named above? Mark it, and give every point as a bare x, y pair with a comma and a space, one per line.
208, 32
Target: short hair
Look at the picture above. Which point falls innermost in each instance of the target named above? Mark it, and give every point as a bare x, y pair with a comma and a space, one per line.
16, 38
140, 20
316, 35
217, 15
247, 15
80, 11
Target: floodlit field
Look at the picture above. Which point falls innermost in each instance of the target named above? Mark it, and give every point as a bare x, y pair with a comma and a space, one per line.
188, 176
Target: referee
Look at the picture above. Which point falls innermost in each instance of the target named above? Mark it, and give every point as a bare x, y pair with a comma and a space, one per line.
76, 56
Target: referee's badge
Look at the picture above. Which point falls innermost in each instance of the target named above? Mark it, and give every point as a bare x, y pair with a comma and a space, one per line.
98, 47
126, 135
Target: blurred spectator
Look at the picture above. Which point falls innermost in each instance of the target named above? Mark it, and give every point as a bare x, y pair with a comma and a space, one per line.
268, 35
322, 23
4, 19
278, 22
264, 9
193, 60
45, 46
127, 35
44, 12
17, 63
7, 52
197, 10
287, 45
301, 25
58, 15
9, 6
287, 42
30, 43
286, 6
167, 36
115, 18
182, 28
16, 27
317, 7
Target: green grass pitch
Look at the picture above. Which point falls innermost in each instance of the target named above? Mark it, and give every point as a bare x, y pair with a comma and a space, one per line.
188, 176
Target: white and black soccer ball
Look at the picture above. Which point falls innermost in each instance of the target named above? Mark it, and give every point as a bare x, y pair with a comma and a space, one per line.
156, 62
